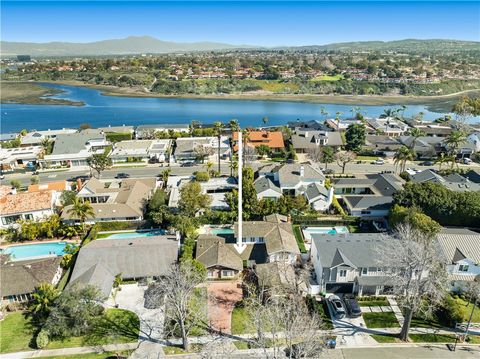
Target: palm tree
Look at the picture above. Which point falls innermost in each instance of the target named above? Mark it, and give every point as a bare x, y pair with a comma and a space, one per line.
454, 141
46, 145
81, 210
233, 166
323, 111
415, 133
403, 155
218, 132
164, 175
442, 160
43, 298
208, 166
234, 126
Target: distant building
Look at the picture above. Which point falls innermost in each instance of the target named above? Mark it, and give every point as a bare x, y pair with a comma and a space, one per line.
35, 138
24, 58
141, 150
148, 131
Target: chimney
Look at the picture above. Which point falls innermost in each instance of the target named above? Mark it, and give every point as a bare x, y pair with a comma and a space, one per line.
79, 184
302, 171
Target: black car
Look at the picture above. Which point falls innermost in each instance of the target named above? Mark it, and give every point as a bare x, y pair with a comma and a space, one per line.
122, 175
328, 171
353, 308
188, 164
427, 163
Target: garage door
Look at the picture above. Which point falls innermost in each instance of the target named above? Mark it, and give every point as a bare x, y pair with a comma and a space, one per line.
339, 288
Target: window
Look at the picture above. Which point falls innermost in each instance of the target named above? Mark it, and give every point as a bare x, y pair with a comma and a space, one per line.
463, 267
10, 219
343, 273
364, 270
227, 273
366, 212
28, 216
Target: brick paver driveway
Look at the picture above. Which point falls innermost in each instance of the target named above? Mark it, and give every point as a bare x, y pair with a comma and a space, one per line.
222, 297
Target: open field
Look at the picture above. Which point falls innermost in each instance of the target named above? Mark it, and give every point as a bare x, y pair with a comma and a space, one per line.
31, 93
433, 103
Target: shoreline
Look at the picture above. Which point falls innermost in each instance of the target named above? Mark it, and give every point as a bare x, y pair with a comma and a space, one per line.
439, 103
32, 93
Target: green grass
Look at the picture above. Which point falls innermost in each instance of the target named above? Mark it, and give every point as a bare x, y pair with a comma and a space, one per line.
277, 87
175, 350
92, 355
418, 322
18, 332
381, 320
466, 309
328, 78
373, 303
366, 158
240, 321
385, 338
432, 338
241, 345
298, 236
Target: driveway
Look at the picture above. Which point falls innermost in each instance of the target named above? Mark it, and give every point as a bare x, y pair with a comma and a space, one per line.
222, 297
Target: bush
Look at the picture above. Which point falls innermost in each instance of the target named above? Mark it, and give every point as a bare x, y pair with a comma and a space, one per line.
449, 312
42, 339
202, 176
118, 136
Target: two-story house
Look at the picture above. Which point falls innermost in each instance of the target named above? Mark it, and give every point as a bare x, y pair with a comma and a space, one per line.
305, 139
461, 248
348, 263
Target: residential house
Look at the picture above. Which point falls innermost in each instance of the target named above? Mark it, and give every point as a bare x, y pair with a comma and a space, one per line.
141, 150
148, 131
454, 181
272, 139
434, 130
34, 206
100, 261
35, 138
266, 189
20, 157
368, 196
349, 263
275, 233
304, 140
474, 139
21, 278
424, 146
388, 126
461, 248
123, 200
296, 179
72, 150
6, 137
312, 125
58, 187
342, 125
191, 148
382, 145
117, 129
221, 260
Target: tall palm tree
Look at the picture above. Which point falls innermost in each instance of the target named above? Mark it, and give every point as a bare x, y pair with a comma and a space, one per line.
389, 112
323, 111
46, 145
415, 133
233, 166
442, 160
234, 126
403, 155
43, 298
81, 210
164, 175
218, 132
454, 141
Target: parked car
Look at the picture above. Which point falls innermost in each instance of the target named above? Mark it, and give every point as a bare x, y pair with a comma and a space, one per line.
188, 164
352, 306
122, 175
328, 171
379, 161
337, 306
427, 163
467, 161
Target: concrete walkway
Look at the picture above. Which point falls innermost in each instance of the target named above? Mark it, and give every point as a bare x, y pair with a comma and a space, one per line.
396, 310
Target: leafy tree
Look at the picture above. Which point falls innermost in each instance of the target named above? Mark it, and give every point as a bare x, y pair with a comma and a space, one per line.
67, 198
249, 197
327, 156
355, 137
265, 120
99, 162
202, 176
49, 227
164, 176
202, 152
74, 312
415, 218
263, 150
47, 145
16, 184
42, 339
402, 155
343, 158
34, 180
157, 201
81, 210
192, 200
84, 126
42, 301
467, 106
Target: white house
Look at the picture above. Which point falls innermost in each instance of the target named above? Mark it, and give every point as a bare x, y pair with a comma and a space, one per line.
189, 148
19, 157
34, 206
35, 138
148, 131
461, 248
141, 150
474, 139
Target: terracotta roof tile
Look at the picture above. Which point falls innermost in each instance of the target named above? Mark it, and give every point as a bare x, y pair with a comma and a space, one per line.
26, 202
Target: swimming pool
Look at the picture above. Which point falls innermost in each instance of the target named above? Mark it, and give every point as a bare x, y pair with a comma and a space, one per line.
220, 231
37, 250
307, 232
158, 232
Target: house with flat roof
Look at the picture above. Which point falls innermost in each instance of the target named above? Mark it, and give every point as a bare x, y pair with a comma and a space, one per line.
349, 263
434, 130
272, 139
461, 249
194, 148
295, 179
35, 138
34, 206
221, 260
148, 131
117, 129
305, 140
21, 278
141, 258
141, 150
73, 149
368, 196
123, 200
388, 126
5, 137
20, 157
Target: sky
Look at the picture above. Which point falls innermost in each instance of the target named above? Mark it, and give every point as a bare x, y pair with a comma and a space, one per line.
270, 23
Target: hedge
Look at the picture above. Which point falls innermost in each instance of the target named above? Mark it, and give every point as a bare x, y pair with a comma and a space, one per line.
118, 136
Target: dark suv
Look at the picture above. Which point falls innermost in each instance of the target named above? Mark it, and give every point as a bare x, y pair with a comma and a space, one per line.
353, 308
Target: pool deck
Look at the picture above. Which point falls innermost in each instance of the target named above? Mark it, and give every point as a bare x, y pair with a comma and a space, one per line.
307, 232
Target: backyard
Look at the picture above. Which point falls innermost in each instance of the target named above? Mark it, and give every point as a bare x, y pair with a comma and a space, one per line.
18, 332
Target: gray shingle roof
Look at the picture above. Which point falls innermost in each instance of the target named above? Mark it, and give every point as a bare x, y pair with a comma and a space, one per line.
315, 190
464, 241
212, 251
301, 141
71, 143
289, 174
372, 203
263, 183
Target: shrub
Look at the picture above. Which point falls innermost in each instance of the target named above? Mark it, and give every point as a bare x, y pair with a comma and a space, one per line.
118, 136
42, 339
202, 176
449, 312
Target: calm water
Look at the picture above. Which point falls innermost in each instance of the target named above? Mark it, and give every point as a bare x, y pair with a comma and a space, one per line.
136, 235
29, 251
108, 110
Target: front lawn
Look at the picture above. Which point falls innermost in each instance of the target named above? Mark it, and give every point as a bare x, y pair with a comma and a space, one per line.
240, 321
418, 322
386, 338
466, 308
298, 236
373, 302
432, 338
381, 320
116, 326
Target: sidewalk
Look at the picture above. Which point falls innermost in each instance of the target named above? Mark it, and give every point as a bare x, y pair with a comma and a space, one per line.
396, 310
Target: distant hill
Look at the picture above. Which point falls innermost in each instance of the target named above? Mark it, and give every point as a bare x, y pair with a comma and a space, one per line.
408, 45
147, 44
129, 45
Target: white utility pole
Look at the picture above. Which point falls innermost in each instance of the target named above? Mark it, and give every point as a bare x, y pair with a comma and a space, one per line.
240, 246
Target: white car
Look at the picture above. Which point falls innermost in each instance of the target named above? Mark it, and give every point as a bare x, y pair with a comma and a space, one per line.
380, 161
337, 306
467, 161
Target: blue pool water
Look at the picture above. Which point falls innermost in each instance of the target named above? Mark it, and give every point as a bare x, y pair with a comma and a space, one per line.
220, 231
326, 230
29, 251
136, 234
